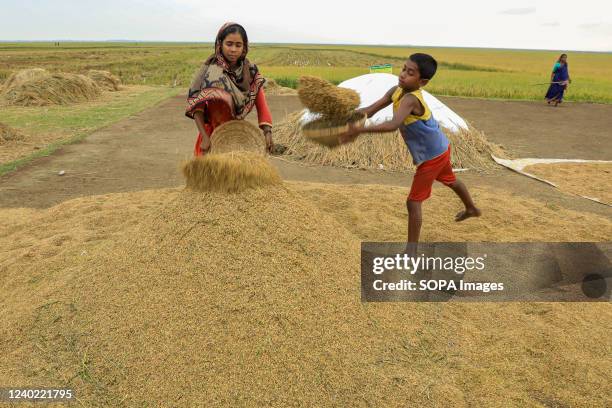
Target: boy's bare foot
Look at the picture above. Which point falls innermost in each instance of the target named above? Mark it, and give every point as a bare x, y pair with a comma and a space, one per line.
467, 213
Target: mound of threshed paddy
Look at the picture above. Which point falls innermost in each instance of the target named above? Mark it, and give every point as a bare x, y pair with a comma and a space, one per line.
586, 179
244, 290
252, 298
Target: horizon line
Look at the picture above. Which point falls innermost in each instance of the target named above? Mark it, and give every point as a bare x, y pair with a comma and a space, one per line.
124, 41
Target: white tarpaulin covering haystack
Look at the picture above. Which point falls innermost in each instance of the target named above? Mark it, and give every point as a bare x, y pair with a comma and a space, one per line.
372, 87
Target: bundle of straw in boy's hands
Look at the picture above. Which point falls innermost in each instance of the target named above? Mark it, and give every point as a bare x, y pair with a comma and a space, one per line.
335, 105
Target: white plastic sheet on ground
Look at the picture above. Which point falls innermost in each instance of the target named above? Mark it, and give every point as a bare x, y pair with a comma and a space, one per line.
372, 87
518, 165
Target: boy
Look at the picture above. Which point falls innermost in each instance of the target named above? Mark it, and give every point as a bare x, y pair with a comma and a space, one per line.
429, 147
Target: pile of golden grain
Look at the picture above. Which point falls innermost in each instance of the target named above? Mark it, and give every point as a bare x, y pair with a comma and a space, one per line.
577, 178
181, 298
332, 102
470, 149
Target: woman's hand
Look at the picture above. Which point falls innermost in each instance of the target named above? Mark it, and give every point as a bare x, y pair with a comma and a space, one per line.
268, 134
205, 146
199, 120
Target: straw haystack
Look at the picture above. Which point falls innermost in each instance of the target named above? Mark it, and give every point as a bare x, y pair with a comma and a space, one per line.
39, 88
19, 77
9, 134
105, 80
274, 89
470, 149
321, 96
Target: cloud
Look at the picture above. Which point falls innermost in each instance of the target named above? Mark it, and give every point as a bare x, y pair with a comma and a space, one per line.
519, 11
599, 29
551, 24
595, 26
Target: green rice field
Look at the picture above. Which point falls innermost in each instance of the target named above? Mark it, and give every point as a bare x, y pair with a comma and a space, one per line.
470, 72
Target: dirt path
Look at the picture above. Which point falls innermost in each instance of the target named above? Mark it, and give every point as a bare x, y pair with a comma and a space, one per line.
144, 152
532, 129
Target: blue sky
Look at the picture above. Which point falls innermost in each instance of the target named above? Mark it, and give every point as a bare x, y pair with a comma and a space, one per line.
537, 24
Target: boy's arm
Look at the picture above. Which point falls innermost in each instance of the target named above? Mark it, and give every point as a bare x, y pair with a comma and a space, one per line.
379, 104
407, 105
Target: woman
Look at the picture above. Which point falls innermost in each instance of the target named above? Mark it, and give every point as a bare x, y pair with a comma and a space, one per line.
559, 80
226, 87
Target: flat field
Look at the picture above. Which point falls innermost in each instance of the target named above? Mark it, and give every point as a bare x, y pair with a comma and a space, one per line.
472, 72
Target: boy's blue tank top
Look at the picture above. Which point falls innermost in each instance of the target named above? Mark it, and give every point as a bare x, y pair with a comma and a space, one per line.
422, 134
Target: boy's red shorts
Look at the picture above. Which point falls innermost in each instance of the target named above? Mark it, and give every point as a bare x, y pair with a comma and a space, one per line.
439, 168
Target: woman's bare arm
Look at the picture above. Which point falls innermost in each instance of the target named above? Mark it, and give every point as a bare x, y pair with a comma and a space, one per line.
199, 120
